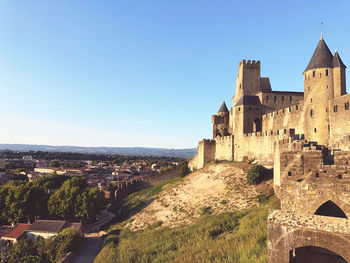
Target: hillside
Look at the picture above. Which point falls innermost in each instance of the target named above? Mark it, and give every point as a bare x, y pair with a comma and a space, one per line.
211, 208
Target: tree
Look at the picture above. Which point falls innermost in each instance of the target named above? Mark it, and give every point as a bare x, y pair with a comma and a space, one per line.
54, 164
24, 251
74, 199
184, 169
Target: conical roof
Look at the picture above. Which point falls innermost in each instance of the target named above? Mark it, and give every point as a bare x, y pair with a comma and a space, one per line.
337, 62
223, 107
322, 57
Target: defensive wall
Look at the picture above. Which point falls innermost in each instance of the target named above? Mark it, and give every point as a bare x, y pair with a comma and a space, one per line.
290, 117
205, 153
274, 100
312, 225
224, 148
339, 110
261, 145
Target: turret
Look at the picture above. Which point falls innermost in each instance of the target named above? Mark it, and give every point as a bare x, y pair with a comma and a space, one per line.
339, 80
318, 90
221, 122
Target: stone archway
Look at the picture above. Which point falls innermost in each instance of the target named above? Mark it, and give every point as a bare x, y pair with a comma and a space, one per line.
329, 208
313, 254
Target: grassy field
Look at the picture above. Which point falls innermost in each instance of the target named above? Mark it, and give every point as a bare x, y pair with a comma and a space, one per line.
236, 236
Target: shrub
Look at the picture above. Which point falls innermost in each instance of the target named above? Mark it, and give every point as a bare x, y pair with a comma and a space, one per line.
256, 174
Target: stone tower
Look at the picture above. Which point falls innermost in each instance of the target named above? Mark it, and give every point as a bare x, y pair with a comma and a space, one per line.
248, 79
318, 90
221, 122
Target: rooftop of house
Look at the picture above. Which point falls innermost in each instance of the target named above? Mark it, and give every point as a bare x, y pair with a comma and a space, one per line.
47, 226
17, 231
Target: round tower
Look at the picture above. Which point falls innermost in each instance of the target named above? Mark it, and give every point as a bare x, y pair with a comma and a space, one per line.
318, 90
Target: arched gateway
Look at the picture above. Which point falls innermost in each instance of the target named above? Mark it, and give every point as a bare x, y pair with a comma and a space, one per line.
312, 254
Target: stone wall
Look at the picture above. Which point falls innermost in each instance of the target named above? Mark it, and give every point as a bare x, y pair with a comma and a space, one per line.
275, 100
260, 145
224, 148
205, 153
339, 119
286, 118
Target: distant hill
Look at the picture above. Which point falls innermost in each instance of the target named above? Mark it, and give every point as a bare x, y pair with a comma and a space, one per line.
185, 153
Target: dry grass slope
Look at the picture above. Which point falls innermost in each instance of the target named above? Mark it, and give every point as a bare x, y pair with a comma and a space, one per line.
209, 216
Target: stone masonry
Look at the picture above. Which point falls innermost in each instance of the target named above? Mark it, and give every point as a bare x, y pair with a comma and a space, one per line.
306, 137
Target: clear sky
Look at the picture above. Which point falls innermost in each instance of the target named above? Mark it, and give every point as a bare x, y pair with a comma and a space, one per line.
147, 73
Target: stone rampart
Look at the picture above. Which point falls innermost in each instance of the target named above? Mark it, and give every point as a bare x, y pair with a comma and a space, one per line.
224, 148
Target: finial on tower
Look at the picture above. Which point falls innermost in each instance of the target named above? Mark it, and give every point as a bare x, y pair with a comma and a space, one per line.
321, 30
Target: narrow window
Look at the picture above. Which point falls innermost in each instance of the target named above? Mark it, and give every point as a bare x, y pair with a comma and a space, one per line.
271, 113
289, 173
335, 108
346, 105
326, 72
240, 86
327, 86
317, 175
282, 98
313, 74
278, 132
267, 98
257, 108
311, 100
250, 108
290, 109
329, 128
311, 113
239, 109
271, 132
340, 176
285, 131
308, 88
290, 99
315, 130
326, 109
274, 99
296, 107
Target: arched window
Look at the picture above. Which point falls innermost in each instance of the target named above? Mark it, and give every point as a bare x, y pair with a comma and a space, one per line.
313, 74
330, 209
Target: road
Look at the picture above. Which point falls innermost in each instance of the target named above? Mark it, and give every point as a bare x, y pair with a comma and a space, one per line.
88, 251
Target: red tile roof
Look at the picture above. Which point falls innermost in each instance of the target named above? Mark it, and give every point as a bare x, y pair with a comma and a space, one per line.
17, 231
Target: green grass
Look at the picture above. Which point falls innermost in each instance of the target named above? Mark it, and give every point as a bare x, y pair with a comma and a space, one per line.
237, 236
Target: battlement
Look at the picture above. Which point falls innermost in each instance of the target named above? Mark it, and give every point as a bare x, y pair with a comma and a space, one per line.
283, 111
250, 62
221, 139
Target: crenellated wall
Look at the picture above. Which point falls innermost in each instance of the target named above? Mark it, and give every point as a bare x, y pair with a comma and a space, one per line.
260, 145
205, 153
286, 118
224, 148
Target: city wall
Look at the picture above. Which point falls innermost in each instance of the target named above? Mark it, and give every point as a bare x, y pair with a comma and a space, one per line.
260, 145
290, 117
339, 110
224, 148
205, 153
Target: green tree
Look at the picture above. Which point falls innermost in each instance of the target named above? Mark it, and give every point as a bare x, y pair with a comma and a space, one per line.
184, 170
54, 164
74, 199
24, 252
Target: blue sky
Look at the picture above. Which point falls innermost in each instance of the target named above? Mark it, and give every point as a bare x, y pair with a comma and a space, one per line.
147, 73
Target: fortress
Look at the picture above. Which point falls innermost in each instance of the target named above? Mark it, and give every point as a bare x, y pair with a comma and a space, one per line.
306, 137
